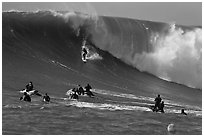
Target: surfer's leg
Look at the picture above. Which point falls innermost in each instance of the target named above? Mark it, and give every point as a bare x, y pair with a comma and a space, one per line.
84, 56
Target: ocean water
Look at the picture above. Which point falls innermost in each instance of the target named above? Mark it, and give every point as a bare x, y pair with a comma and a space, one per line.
45, 47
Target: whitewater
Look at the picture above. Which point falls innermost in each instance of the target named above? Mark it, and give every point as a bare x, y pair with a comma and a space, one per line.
129, 63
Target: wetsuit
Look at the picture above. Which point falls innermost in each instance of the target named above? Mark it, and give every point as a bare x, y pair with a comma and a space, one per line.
161, 108
26, 97
29, 87
182, 112
157, 102
84, 53
88, 92
81, 91
46, 98
74, 96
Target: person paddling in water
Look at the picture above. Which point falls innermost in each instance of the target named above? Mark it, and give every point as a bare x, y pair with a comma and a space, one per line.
25, 97
46, 98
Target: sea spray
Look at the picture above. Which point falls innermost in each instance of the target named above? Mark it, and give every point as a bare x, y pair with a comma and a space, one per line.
177, 56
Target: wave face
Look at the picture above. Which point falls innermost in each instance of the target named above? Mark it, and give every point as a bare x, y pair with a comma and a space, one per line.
168, 51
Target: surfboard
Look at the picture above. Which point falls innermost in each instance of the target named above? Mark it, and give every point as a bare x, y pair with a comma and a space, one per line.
84, 60
32, 92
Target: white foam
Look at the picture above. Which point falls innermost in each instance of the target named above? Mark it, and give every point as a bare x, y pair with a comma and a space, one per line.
169, 105
106, 106
12, 106
116, 94
62, 65
177, 56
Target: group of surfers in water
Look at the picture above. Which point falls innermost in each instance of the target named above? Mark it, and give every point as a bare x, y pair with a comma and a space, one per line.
74, 95
76, 92
159, 106
26, 96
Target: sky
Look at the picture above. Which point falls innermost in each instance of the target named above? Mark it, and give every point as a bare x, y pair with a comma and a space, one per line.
183, 13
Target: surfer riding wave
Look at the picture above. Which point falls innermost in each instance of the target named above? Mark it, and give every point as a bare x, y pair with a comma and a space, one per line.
88, 52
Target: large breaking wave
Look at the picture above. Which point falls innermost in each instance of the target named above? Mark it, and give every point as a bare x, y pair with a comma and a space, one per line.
168, 51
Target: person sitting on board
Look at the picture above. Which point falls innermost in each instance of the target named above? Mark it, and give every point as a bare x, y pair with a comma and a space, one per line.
88, 92
80, 90
29, 86
182, 112
25, 97
74, 96
85, 52
157, 102
72, 92
46, 98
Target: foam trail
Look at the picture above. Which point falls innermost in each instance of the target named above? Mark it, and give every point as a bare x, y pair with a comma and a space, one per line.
106, 106
168, 103
114, 107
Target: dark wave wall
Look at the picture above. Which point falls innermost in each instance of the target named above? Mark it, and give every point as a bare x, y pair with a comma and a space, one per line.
168, 51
